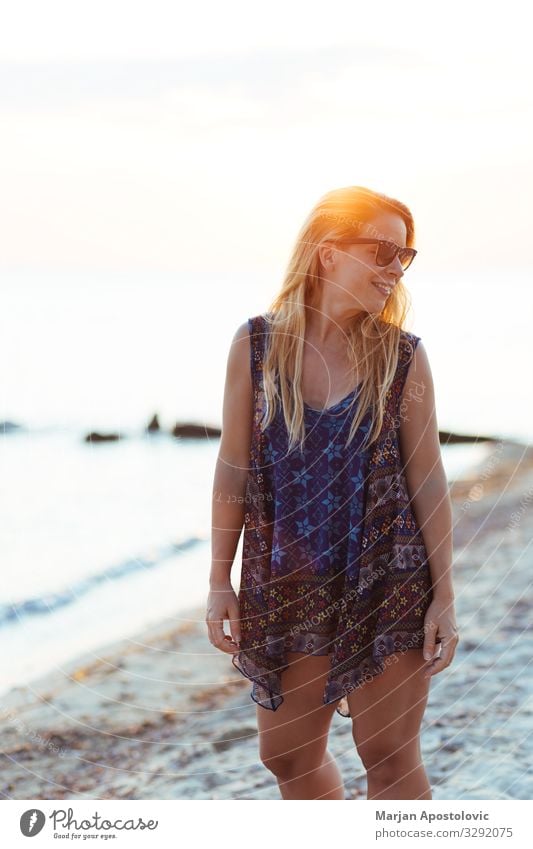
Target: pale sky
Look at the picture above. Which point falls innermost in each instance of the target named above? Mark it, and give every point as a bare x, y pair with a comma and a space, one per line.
180, 137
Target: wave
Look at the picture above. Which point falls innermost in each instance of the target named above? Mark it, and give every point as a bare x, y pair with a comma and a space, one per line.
50, 602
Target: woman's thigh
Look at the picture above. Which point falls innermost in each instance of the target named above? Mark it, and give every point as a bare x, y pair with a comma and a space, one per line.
298, 730
387, 710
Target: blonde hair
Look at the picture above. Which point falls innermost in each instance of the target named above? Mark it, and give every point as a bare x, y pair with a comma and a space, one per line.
372, 340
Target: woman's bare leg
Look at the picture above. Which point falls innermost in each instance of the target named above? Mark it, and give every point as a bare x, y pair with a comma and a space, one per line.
293, 739
387, 713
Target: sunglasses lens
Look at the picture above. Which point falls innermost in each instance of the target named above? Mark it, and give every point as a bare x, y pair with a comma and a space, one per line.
406, 257
387, 252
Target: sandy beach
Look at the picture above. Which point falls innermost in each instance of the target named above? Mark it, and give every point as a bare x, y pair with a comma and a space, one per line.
164, 715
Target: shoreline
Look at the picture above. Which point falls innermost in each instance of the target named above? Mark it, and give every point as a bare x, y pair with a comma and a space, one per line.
164, 715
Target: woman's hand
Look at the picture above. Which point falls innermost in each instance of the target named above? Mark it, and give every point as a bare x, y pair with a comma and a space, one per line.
222, 603
439, 622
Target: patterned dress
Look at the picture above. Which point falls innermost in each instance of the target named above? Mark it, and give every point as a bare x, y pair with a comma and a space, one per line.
334, 562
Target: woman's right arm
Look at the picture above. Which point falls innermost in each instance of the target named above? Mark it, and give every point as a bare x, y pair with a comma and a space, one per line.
229, 489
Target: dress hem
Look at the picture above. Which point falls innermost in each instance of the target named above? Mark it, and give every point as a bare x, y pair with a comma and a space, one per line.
368, 668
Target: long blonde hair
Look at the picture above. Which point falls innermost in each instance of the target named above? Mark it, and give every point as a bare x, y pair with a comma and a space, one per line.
372, 339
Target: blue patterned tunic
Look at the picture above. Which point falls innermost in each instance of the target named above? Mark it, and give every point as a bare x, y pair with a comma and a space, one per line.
333, 560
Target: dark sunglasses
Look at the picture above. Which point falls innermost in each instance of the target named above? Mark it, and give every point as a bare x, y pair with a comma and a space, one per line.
387, 251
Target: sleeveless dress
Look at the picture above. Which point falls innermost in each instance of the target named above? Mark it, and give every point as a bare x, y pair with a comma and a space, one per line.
334, 562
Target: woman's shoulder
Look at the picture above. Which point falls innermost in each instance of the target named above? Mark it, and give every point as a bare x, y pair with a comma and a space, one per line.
408, 335
408, 342
251, 326
255, 324
259, 324
266, 317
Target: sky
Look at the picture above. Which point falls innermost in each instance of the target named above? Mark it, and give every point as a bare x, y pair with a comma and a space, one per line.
195, 138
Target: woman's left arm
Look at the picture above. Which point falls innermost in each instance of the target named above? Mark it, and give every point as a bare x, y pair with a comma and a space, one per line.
430, 499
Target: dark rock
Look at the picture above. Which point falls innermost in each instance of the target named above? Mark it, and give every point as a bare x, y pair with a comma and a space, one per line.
194, 431
103, 437
154, 426
447, 438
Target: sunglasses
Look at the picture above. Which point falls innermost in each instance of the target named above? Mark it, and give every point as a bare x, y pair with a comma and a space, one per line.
387, 251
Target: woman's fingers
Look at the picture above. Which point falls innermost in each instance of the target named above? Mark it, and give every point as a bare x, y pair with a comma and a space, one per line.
448, 645
219, 639
232, 645
235, 624
431, 629
223, 605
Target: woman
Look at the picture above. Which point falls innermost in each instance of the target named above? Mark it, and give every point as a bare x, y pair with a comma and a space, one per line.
330, 457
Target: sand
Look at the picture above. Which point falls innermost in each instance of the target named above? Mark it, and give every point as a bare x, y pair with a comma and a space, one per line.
165, 715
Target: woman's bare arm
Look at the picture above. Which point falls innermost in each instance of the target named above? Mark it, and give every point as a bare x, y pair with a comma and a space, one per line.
231, 471
424, 470
430, 498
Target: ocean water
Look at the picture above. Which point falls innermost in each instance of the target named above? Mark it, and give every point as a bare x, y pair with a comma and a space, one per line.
99, 540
